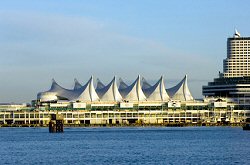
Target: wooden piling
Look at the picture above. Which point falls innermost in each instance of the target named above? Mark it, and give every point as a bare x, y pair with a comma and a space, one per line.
56, 123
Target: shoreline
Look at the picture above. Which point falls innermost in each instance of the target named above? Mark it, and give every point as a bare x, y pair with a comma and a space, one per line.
131, 125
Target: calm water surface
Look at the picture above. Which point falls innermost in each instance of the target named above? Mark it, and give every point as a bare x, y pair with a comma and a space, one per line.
151, 145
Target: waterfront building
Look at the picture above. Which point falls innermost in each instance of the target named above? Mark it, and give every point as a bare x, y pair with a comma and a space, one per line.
137, 92
227, 99
139, 102
198, 113
238, 56
234, 83
13, 107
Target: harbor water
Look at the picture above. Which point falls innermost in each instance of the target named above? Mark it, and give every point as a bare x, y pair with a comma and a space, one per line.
126, 145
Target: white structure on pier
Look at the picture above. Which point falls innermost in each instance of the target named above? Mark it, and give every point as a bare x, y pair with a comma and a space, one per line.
110, 92
181, 91
133, 93
156, 92
136, 92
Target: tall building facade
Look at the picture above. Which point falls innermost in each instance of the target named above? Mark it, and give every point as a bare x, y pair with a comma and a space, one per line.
237, 63
234, 82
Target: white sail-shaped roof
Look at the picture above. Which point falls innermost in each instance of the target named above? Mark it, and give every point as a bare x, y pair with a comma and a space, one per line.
122, 88
77, 84
110, 92
181, 91
122, 84
157, 92
145, 85
133, 92
88, 93
99, 85
62, 92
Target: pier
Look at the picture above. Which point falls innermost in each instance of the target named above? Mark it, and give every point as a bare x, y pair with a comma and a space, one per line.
56, 123
124, 117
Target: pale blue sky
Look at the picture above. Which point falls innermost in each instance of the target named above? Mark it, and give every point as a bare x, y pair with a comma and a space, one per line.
65, 39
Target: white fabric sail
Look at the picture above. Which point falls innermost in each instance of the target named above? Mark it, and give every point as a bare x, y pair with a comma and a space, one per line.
145, 85
122, 84
122, 88
99, 85
181, 91
157, 92
88, 93
61, 92
110, 92
77, 84
133, 92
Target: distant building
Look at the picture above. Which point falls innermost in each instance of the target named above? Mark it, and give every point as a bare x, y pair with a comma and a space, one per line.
13, 107
227, 99
237, 63
234, 82
137, 92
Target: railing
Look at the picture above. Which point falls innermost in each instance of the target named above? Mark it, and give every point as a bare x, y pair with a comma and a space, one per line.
42, 117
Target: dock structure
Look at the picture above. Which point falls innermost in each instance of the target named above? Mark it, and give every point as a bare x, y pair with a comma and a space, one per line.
56, 123
129, 116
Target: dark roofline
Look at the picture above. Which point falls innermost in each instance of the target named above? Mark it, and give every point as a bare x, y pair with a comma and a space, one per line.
238, 38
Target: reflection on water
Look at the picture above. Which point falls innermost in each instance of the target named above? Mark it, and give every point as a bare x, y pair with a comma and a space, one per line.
150, 145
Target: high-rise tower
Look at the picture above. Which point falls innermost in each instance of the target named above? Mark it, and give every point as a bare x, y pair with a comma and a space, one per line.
237, 63
234, 82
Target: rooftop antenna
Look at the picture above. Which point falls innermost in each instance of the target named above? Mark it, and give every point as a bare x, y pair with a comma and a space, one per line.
236, 33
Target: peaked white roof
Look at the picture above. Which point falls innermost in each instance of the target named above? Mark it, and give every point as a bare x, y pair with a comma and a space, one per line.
133, 92
145, 85
77, 84
181, 91
99, 85
62, 92
109, 92
122, 84
88, 93
156, 92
